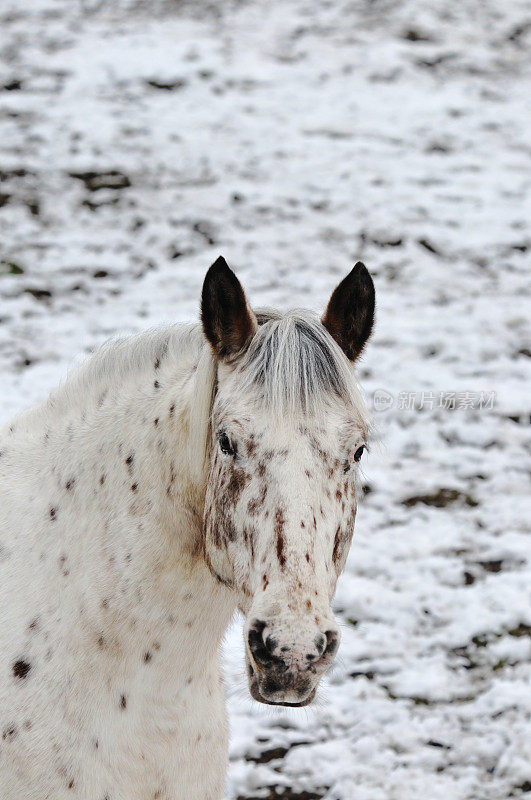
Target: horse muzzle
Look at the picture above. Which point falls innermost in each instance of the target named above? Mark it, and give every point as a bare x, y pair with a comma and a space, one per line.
273, 690
285, 670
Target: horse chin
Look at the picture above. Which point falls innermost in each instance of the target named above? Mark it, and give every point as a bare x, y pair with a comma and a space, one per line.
254, 689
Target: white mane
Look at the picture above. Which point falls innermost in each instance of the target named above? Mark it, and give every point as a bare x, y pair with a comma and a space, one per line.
179, 348
126, 357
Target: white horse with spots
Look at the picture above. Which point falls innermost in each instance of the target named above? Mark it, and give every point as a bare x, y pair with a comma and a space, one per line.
175, 476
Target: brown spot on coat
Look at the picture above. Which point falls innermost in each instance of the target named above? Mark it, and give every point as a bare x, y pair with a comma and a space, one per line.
21, 668
339, 541
279, 528
230, 530
236, 485
256, 503
280, 551
279, 520
123, 702
250, 446
323, 455
351, 521
335, 554
252, 536
9, 732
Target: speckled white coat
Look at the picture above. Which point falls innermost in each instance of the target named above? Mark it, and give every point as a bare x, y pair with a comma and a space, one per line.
110, 683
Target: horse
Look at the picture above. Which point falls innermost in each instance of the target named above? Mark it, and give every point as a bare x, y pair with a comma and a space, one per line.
175, 476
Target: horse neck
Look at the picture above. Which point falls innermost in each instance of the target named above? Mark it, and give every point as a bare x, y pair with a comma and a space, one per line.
137, 500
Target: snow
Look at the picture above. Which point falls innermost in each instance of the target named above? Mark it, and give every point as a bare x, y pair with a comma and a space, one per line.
296, 138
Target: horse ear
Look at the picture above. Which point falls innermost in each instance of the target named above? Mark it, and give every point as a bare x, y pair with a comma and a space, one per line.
228, 322
349, 315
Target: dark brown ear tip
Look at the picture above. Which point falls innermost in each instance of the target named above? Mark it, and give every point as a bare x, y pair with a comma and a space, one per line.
359, 269
219, 265
361, 279
220, 274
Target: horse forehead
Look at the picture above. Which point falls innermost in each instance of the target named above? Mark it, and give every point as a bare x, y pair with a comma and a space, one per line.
278, 442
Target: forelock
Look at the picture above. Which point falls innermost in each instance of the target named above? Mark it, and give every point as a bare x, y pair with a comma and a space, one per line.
298, 367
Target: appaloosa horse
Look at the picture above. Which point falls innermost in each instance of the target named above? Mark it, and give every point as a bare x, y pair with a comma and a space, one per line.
173, 477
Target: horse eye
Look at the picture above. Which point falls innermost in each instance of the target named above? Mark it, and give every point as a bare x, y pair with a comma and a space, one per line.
359, 452
225, 444
357, 457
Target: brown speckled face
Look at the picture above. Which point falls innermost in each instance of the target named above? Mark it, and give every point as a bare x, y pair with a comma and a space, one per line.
287, 437
279, 519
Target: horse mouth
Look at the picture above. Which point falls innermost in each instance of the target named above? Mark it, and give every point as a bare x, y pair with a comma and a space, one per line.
258, 696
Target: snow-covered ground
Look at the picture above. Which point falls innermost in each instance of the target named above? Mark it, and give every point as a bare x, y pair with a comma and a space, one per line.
140, 140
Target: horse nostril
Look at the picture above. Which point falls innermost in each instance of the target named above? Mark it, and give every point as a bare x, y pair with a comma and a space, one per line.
271, 644
332, 642
320, 642
325, 647
254, 636
262, 651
